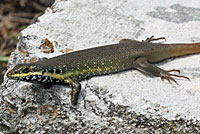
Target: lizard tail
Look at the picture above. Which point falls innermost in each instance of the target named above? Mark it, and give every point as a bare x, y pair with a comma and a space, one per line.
174, 50
184, 49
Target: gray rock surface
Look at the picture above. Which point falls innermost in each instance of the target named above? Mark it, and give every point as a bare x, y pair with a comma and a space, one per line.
127, 102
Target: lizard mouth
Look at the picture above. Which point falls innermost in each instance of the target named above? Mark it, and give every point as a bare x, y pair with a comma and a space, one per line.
10, 73
13, 75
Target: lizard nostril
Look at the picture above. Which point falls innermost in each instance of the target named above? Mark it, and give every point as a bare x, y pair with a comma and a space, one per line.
8, 73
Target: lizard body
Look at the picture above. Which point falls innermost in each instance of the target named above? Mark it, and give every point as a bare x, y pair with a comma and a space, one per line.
70, 69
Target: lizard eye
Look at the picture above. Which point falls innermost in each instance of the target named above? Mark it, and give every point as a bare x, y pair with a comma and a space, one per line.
25, 70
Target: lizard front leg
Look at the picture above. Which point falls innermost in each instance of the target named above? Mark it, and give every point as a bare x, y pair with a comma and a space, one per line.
143, 65
76, 88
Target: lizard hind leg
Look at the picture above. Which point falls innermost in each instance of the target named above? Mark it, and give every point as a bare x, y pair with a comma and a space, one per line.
125, 41
142, 65
152, 38
149, 40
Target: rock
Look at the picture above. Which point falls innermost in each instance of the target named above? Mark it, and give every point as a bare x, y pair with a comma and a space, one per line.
127, 102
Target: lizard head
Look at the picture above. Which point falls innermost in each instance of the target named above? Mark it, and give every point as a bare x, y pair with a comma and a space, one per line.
21, 72
35, 74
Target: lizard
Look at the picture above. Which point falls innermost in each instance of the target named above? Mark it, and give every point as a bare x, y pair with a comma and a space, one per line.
70, 69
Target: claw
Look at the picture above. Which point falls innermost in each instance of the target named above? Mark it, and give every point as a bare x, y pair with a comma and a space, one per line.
169, 79
181, 76
167, 76
153, 39
174, 70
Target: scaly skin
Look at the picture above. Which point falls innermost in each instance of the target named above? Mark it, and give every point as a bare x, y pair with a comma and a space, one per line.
76, 66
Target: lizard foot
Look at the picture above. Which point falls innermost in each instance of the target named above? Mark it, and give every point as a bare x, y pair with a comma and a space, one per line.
168, 76
152, 38
148, 68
